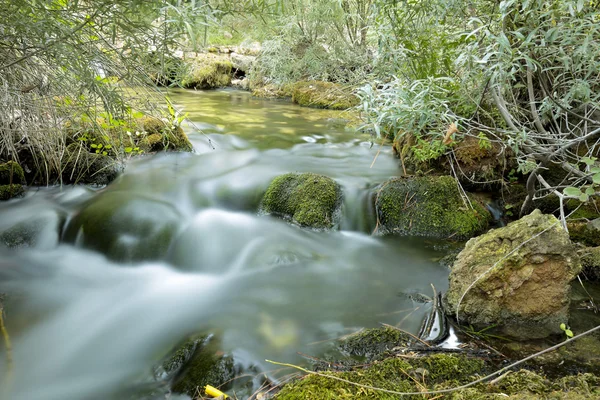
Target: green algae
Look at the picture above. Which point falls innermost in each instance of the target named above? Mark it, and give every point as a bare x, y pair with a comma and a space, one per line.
428, 206
308, 199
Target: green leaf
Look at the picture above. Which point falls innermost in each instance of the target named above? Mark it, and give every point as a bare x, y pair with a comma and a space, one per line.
93, 146
588, 160
595, 170
571, 191
563, 326
596, 178
128, 149
590, 191
569, 333
104, 153
583, 197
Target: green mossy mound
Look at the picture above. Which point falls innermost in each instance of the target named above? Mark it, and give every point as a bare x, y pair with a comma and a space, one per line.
374, 344
10, 191
11, 173
417, 372
319, 94
428, 206
125, 227
437, 372
82, 166
309, 200
209, 71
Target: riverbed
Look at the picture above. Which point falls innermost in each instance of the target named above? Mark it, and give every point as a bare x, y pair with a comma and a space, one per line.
91, 315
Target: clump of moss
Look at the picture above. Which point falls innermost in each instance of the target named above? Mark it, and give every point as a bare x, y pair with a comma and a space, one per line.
308, 199
11, 173
583, 232
374, 343
320, 94
428, 206
209, 71
162, 136
10, 191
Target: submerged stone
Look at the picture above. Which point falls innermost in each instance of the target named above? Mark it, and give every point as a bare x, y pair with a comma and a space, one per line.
125, 227
516, 278
428, 206
308, 199
9, 191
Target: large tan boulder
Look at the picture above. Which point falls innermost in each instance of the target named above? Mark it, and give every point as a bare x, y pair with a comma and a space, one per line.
516, 278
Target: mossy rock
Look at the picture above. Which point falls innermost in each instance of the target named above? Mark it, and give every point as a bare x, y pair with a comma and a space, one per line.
161, 136
11, 173
374, 343
41, 231
199, 363
428, 206
82, 166
209, 71
308, 199
9, 191
125, 227
320, 94
516, 278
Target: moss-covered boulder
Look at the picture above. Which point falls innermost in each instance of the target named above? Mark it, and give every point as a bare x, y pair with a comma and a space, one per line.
208, 71
11, 173
125, 227
516, 278
157, 135
308, 199
198, 363
428, 206
41, 231
320, 94
12, 179
374, 344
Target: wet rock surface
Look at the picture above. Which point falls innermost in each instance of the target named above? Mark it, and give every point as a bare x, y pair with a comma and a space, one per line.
516, 278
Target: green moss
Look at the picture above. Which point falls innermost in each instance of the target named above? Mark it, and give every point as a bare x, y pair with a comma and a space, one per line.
208, 71
161, 136
374, 343
10, 191
308, 199
319, 94
428, 206
11, 173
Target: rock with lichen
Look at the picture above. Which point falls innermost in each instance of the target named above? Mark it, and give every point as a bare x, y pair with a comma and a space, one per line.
428, 206
308, 199
320, 94
515, 278
590, 262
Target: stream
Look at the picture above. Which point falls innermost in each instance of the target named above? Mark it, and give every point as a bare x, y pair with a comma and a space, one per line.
179, 248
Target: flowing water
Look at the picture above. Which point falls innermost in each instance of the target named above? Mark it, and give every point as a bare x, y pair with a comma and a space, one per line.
176, 246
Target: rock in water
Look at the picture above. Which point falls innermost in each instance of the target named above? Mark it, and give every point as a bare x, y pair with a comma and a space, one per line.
308, 199
428, 206
522, 274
